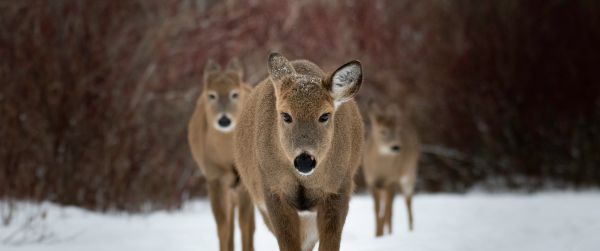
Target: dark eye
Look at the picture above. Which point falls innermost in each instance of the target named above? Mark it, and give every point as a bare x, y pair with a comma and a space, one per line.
235, 95
212, 96
324, 118
286, 117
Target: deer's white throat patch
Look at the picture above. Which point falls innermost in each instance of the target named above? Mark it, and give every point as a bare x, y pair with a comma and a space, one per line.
308, 229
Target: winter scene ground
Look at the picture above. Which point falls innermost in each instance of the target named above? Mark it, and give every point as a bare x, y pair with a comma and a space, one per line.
544, 221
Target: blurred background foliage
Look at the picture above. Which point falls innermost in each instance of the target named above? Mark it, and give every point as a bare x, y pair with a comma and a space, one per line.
95, 96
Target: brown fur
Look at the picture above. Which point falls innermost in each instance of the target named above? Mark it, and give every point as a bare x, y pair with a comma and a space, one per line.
212, 150
385, 169
265, 148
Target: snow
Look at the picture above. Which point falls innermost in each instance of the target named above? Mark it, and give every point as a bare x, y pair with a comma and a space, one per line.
476, 221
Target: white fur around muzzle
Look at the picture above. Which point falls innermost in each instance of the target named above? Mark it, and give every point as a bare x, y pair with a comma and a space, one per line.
226, 129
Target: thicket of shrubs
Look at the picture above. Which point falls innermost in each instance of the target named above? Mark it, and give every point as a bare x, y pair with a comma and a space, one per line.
95, 95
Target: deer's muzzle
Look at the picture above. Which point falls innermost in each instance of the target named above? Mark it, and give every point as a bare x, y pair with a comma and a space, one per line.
305, 163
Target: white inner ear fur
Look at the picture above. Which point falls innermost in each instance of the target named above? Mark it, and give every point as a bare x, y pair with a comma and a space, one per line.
344, 79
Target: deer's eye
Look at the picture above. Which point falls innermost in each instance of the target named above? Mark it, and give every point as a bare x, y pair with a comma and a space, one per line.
325, 117
212, 96
286, 117
235, 95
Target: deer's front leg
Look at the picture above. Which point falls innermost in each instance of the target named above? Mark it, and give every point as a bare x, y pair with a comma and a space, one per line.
331, 217
223, 212
246, 218
285, 221
377, 198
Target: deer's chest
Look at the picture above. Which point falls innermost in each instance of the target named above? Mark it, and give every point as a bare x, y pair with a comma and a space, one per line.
219, 148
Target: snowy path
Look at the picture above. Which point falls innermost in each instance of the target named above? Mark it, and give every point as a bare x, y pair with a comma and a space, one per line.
546, 221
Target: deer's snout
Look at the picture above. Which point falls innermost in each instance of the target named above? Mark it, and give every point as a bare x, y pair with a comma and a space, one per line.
224, 121
305, 163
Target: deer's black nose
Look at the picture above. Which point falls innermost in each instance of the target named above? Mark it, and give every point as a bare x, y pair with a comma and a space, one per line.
305, 163
224, 121
395, 148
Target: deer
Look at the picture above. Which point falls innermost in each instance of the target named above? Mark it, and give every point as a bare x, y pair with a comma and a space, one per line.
211, 139
297, 148
390, 161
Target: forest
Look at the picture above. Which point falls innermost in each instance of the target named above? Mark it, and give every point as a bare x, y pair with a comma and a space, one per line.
95, 96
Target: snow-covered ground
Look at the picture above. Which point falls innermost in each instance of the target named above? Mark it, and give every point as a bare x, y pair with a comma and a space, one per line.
545, 221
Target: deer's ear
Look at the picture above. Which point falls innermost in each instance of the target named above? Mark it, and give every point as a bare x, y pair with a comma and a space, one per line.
235, 66
345, 82
209, 68
279, 67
